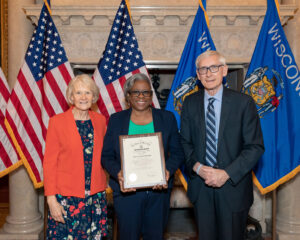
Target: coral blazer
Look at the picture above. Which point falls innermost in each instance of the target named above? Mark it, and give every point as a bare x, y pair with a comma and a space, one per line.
63, 160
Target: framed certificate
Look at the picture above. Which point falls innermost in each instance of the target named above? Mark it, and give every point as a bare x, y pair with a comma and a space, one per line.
142, 160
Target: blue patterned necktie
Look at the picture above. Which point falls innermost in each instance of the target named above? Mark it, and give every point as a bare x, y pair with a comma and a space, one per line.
211, 148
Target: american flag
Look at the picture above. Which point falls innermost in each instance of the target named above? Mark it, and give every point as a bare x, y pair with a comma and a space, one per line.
121, 59
39, 93
9, 159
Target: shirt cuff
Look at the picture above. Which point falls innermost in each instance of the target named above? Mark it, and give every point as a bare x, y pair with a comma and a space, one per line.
198, 168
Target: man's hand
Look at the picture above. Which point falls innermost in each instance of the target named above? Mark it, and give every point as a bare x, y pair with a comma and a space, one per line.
214, 177
202, 171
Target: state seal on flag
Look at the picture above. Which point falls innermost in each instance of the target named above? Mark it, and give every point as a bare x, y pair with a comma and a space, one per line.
186, 88
266, 92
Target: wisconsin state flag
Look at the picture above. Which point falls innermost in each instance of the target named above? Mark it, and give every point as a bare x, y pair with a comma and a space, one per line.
185, 81
273, 80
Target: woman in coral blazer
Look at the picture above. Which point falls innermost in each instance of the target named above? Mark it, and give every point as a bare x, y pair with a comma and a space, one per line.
74, 180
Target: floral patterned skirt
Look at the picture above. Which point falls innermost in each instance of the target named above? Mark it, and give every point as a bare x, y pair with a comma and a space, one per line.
86, 218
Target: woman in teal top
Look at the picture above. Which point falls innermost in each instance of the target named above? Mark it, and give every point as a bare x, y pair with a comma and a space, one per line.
141, 212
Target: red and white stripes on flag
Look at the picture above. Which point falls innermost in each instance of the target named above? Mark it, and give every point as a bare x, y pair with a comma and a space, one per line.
39, 93
112, 98
121, 59
9, 159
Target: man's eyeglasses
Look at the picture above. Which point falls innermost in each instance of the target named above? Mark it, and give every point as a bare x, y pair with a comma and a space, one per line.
212, 69
136, 93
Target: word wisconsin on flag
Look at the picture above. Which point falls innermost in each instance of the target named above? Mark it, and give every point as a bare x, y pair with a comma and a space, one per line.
39, 93
273, 80
121, 59
185, 80
9, 159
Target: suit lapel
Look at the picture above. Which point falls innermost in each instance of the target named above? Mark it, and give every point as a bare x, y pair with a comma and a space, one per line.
157, 123
125, 123
71, 125
225, 112
200, 119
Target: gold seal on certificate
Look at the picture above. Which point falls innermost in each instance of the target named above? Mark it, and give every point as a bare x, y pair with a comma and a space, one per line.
143, 161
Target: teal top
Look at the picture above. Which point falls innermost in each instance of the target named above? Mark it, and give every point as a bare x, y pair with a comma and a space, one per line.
140, 129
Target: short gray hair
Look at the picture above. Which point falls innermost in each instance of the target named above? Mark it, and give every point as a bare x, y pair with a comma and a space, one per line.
87, 81
131, 80
210, 53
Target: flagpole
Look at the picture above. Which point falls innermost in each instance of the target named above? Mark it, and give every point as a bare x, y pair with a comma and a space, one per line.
274, 192
274, 213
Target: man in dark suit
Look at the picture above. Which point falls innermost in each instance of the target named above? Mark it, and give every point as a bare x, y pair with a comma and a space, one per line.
222, 141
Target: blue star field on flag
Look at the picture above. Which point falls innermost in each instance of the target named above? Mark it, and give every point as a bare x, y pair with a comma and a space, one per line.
122, 54
45, 50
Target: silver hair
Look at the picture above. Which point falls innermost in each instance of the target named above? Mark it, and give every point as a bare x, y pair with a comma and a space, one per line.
87, 81
131, 80
210, 53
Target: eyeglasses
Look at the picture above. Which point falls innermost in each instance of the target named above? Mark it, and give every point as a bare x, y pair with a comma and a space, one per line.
212, 69
136, 93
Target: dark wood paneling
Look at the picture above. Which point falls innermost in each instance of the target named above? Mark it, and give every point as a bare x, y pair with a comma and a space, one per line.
4, 190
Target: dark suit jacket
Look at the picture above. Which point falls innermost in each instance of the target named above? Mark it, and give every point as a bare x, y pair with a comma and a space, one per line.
240, 145
163, 121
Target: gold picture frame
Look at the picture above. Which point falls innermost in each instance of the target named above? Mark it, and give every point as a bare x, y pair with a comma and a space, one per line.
4, 36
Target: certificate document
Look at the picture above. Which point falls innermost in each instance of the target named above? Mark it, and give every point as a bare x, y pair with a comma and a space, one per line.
143, 162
